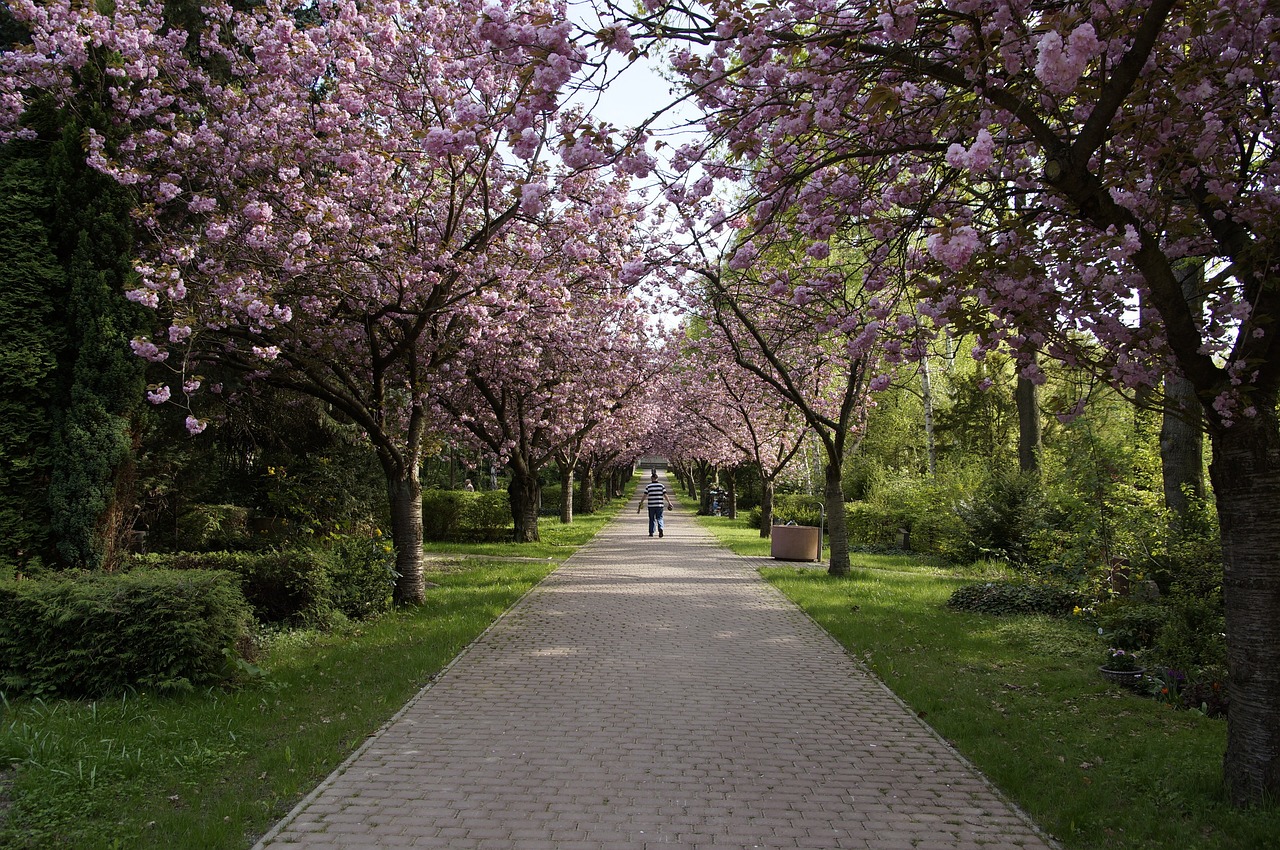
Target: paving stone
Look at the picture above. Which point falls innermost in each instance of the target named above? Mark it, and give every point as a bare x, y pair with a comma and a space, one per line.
655, 694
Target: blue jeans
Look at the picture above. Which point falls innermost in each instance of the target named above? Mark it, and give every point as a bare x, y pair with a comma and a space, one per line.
655, 519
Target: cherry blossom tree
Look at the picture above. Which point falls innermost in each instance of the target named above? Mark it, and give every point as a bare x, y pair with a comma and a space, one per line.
561, 352
735, 404
606, 448
1044, 168
322, 189
786, 343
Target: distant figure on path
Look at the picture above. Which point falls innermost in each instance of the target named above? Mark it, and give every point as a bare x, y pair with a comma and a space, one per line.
468, 486
655, 495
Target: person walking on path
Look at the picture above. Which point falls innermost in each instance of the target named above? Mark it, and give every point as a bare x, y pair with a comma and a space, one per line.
655, 495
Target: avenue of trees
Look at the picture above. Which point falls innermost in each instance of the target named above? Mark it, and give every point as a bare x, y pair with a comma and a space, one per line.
390, 215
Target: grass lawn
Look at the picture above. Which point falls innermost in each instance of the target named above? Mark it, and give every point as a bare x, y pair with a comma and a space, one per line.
1094, 765
216, 769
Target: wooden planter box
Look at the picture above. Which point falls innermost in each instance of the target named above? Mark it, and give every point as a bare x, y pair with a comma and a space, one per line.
794, 542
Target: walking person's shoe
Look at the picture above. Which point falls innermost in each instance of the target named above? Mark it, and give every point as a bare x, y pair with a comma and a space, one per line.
659, 533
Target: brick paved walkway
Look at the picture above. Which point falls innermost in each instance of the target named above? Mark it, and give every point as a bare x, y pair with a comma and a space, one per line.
654, 693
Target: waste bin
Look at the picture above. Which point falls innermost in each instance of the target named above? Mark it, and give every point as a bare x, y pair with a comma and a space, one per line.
794, 542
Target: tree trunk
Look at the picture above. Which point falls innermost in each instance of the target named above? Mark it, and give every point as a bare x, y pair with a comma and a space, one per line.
1246, 483
766, 506
733, 495
1181, 445
566, 493
926, 396
837, 527
405, 493
703, 493
587, 486
1027, 398
1181, 434
525, 497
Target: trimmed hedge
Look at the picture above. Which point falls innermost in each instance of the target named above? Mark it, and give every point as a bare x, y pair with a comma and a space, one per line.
98, 634
870, 525
290, 588
300, 587
790, 507
1008, 597
459, 516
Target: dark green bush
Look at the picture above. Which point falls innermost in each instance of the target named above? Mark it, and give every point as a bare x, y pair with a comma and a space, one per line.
1008, 597
442, 514
97, 634
489, 514
204, 527
1131, 624
870, 525
459, 516
291, 588
1002, 516
1192, 636
361, 576
790, 507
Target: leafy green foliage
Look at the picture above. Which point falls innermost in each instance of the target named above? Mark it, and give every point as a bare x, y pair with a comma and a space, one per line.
91, 490
1192, 637
456, 515
282, 588
1008, 597
276, 471
29, 347
915, 510
361, 575
349, 576
99, 634
980, 418
1131, 624
1002, 515
204, 527
790, 507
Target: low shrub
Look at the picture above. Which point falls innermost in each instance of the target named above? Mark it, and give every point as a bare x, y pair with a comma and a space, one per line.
870, 525
790, 507
1131, 624
1008, 597
362, 575
98, 634
912, 512
489, 514
1192, 635
459, 516
1002, 516
290, 588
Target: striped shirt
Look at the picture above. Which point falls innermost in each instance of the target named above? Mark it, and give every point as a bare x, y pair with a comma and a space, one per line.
656, 493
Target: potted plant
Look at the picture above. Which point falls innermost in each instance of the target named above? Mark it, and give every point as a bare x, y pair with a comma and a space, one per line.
1121, 668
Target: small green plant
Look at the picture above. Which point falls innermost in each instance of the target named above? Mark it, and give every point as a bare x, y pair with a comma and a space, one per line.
1129, 624
1012, 597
